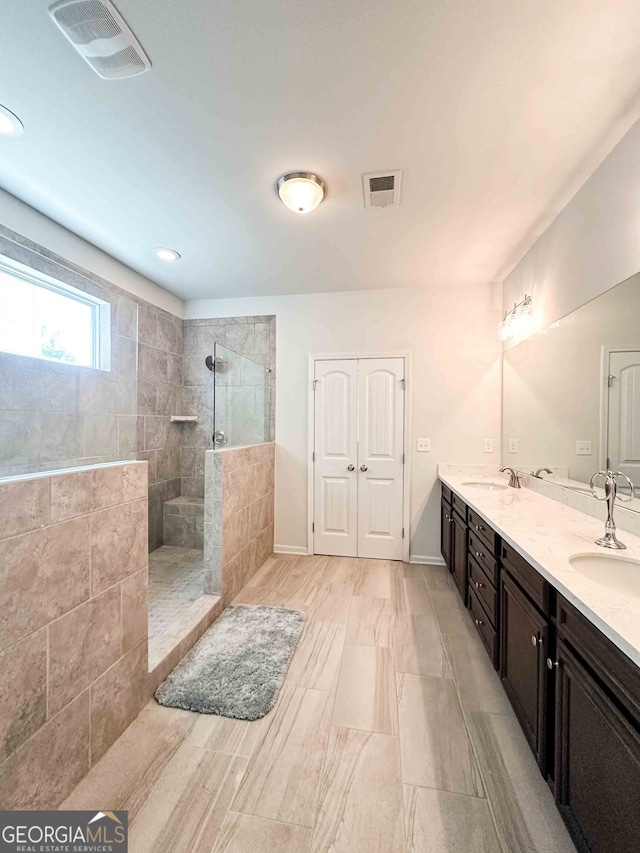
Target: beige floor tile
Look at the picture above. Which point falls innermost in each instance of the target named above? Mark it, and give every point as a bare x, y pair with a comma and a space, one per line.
361, 806
191, 797
478, 683
436, 750
282, 780
341, 570
410, 595
370, 622
327, 602
316, 662
126, 775
418, 647
440, 822
247, 834
524, 810
220, 734
366, 695
374, 578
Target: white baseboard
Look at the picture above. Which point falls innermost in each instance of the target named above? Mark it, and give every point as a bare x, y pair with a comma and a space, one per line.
427, 561
290, 549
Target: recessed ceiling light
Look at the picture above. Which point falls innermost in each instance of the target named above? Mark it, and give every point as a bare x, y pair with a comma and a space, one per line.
301, 192
168, 255
10, 124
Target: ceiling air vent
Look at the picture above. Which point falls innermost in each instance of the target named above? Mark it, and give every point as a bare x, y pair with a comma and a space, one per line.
381, 189
101, 36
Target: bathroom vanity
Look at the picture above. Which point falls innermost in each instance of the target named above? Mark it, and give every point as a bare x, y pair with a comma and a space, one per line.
564, 640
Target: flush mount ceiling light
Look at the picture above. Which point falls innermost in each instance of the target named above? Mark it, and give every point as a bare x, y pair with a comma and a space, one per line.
10, 124
168, 255
516, 321
301, 192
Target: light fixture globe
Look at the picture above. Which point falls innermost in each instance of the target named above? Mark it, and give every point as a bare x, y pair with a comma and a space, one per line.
301, 192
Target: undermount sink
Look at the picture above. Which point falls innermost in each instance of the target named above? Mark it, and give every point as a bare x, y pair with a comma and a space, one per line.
488, 487
621, 574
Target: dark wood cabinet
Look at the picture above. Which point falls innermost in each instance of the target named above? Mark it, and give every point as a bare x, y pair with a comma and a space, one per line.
574, 692
597, 761
523, 652
446, 531
459, 555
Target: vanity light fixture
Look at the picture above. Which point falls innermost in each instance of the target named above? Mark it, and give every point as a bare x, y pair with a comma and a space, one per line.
301, 192
10, 124
168, 255
515, 321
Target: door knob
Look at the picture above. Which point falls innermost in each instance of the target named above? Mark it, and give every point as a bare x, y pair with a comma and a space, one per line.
363, 467
351, 467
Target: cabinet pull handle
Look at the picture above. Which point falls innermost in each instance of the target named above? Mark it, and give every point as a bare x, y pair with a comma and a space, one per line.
478, 584
479, 622
448, 517
536, 641
478, 527
552, 664
479, 554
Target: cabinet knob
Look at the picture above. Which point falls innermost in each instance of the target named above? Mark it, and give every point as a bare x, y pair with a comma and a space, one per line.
478, 527
479, 554
536, 641
479, 622
450, 519
552, 664
478, 584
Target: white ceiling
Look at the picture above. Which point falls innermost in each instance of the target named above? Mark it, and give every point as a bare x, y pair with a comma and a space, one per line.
497, 111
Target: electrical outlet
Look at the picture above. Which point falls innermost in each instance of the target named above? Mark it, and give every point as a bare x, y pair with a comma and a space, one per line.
583, 448
488, 445
423, 445
513, 445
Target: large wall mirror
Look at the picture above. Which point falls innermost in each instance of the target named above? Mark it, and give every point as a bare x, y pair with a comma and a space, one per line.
571, 394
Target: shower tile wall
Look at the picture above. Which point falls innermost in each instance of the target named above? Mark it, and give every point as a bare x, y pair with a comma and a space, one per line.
159, 397
252, 336
57, 415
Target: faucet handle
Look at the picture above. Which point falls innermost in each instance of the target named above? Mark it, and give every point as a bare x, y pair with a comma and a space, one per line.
632, 488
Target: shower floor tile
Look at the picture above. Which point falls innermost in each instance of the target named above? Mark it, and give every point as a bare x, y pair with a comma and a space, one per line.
176, 580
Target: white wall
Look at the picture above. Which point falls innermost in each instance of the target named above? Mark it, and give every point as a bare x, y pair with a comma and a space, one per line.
455, 385
29, 223
591, 246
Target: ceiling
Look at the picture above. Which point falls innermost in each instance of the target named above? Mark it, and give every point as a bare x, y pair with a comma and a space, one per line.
495, 111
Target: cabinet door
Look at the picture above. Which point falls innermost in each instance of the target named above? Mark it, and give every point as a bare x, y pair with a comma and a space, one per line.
597, 762
446, 523
523, 651
459, 555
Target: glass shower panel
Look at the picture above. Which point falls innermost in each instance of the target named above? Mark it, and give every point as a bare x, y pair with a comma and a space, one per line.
242, 399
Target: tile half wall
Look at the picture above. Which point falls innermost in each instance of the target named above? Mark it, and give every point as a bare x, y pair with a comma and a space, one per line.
73, 633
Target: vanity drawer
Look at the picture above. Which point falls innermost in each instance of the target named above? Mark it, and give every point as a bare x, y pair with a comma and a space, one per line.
531, 581
480, 584
618, 673
446, 493
480, 528
459, 506
488, 634
479, 551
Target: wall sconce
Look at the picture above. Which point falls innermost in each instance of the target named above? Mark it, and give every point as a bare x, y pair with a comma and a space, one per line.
516, 321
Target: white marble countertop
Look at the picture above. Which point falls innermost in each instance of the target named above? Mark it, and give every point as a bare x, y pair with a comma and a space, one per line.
546, 533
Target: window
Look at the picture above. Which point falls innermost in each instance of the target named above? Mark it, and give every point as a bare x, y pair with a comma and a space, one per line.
41, 317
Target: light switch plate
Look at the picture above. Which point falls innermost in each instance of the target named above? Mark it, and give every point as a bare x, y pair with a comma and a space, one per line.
488, 445
513, 445
584, 448
423, 445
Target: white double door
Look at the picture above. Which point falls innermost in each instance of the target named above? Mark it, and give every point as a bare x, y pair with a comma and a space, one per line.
623, 435
359, 457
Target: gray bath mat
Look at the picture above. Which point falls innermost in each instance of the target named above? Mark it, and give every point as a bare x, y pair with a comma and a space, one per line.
237, 667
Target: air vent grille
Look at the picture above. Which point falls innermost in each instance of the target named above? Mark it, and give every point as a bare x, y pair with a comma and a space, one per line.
381, 189
101, 36
116, 65
84, 22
